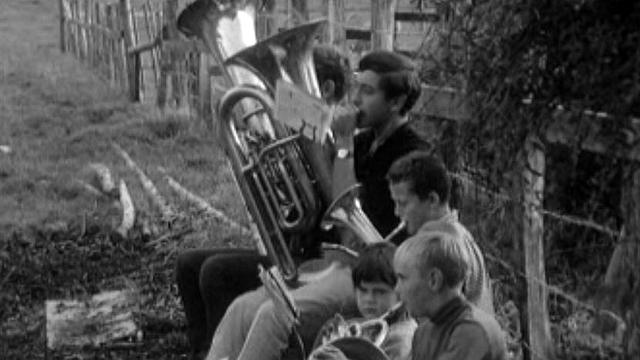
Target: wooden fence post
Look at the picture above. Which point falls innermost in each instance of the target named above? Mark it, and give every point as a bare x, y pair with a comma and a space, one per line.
621, 279
632, 224
88, 30
62, 24
382, 24
204, 87
76, 28
300, 11
99, 35
111, 44
266, 24
121, 54
538, 331
152, 31
82, 11
335, 33
167, 57
132, 62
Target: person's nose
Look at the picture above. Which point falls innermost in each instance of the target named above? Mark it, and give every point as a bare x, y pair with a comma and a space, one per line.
357, 98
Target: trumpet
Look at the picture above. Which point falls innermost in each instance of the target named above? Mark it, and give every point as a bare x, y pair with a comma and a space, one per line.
361, 339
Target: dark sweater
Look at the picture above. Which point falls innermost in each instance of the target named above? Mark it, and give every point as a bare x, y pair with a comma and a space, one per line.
459, 331
371, 171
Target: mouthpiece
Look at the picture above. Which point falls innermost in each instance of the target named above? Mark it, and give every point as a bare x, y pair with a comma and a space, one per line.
402, 226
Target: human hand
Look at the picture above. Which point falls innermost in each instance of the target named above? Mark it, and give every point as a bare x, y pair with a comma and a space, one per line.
334, 328
344, 121
327, 352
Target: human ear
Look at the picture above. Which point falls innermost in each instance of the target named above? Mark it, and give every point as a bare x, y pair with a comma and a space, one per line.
435, 280
398, 102
433, 198
328, 90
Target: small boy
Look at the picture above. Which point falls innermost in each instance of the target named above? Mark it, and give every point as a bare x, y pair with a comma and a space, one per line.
431, 269
374, 281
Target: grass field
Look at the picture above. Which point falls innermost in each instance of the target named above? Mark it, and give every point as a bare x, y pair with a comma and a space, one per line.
56, 238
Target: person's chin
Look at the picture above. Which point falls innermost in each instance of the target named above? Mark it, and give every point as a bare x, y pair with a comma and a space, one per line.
411, 229
361, 120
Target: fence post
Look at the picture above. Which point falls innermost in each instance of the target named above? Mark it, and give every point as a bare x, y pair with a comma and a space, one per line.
167, 57
176, 59
110, 44
334, 11
537, 330
300, 11
382, 24
99, 35
132, 62
632, 224
62, 24
121, 48
76, 28
88, 30
266, 24
204, 87
84, 44
621, 279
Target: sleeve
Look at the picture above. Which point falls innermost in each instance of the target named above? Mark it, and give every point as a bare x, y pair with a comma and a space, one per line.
468, 341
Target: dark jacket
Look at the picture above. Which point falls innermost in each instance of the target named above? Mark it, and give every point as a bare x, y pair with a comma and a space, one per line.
371, 171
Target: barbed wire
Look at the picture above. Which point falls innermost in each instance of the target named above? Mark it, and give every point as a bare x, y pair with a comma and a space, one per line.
569, 219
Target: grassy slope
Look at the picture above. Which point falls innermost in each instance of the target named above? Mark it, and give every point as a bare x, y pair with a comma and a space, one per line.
55, 238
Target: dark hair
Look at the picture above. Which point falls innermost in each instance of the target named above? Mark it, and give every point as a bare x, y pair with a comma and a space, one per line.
375, 264
398, 76
425, 174
332, 64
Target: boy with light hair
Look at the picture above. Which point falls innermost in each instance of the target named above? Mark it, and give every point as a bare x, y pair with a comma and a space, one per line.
431, 269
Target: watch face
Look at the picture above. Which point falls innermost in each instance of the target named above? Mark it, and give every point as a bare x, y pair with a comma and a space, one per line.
343, 153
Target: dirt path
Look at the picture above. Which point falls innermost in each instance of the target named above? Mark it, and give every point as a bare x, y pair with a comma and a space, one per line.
56, 238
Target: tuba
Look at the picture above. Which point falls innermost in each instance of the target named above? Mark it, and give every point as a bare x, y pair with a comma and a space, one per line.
284, 178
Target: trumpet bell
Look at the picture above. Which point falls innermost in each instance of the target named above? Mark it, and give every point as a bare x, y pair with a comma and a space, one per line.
346, 212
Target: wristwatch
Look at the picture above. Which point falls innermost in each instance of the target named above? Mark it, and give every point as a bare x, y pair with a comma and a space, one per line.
344, 153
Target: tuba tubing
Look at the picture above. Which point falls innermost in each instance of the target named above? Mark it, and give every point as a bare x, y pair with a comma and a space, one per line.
286, 182
251, 179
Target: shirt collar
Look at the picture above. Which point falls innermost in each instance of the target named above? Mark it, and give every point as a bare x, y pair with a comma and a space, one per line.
384, 137
450, 310
451, 217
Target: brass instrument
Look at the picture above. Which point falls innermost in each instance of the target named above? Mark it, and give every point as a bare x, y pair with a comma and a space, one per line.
373, 330
285, 179
345, 211
362, 339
